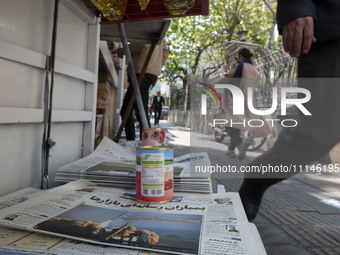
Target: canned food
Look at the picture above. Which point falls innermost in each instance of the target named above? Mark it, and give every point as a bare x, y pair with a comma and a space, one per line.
153, 136
154, 174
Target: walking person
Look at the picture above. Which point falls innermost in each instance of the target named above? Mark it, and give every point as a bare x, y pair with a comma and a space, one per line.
158, 100
243, 75
310, 31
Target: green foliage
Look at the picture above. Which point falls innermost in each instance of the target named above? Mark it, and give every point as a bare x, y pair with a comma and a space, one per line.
197, 40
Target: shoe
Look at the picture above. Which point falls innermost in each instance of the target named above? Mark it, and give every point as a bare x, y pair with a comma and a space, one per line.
251, 199
242, 149
231, 153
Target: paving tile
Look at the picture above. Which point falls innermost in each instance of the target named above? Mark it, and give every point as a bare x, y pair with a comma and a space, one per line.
285, 249
260, 219
305, 188
333, 217
313, 200
287, 187
324, 183
271, 234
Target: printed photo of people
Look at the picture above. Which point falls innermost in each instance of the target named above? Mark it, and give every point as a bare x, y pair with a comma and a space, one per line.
224, 201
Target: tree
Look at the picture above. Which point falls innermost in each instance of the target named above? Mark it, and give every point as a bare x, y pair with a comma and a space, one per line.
197, 40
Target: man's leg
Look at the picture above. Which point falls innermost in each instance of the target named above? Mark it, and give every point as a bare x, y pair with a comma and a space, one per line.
235, 138
148, 80
156, 114
159, 114
314, 136
236, 141
129, 125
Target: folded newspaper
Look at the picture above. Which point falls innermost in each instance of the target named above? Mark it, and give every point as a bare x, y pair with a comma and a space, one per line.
19, 242
114, 165
189, 224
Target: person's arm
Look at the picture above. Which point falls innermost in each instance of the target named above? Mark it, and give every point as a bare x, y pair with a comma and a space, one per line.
165, 53
232, 70
295, 20
154, 102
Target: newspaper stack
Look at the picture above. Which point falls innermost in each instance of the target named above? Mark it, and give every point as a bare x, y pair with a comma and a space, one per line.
113, 165
190, 224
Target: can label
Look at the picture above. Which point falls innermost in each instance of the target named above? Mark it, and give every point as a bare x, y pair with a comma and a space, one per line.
154, 174
153, 136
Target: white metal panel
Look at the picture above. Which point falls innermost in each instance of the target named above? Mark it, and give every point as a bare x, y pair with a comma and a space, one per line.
72, 38
20, 158
80, 10
25, 115
25, 39
73, 71
91, 88
68, 148
21, 85
11, 52
20, 154
68, 94
27, 24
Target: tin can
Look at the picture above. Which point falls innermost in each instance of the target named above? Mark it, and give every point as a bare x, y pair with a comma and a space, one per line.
153, 137
154, 174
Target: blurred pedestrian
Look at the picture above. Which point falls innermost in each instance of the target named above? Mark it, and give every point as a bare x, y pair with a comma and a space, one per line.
139, 53
150, 111
158, 100
310, 28
243, 75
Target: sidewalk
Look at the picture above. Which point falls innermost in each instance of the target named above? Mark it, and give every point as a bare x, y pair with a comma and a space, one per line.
292, 219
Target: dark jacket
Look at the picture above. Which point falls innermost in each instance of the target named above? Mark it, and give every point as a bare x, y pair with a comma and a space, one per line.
326, 14
157, 105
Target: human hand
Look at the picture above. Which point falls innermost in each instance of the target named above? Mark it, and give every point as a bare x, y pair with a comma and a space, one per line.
298, 35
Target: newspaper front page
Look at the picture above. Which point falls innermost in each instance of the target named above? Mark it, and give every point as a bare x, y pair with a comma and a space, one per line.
13, 241
189, 224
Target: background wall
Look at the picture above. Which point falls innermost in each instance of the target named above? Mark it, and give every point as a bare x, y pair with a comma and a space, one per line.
25, 40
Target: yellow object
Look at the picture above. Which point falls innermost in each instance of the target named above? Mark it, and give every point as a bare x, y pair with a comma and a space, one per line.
178, 7
111, 9
143, 4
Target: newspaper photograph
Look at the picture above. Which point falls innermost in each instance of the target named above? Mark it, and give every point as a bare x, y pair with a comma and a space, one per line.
169, 232
189, 224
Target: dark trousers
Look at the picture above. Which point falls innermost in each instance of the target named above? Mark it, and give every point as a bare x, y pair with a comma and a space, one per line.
235, 138
148, 80
317, 134
158, 112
